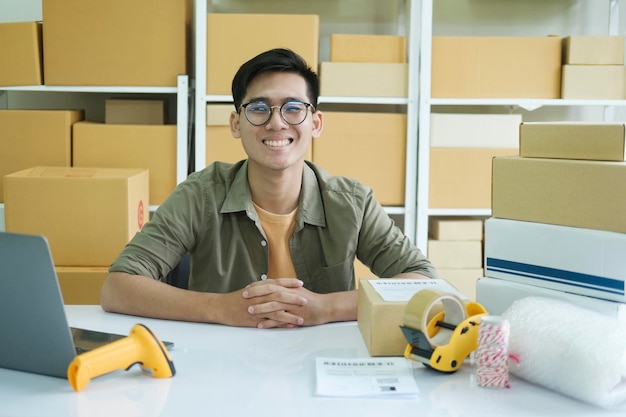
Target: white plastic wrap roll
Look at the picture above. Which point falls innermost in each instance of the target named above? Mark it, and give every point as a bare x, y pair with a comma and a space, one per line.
569, 349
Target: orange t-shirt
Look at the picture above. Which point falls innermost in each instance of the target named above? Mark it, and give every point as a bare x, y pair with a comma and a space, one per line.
278, 229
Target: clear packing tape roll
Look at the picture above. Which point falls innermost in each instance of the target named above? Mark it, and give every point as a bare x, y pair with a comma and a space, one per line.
569, 349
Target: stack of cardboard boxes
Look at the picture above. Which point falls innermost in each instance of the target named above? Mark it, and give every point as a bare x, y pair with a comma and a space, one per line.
455, 247
593, 68
87, 186
558, 227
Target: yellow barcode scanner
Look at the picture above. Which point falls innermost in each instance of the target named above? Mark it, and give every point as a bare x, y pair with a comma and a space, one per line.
141, 347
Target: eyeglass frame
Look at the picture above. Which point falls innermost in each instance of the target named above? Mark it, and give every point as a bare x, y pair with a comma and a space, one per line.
280, 111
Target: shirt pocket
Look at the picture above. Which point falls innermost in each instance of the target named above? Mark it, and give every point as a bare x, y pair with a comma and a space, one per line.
339, 277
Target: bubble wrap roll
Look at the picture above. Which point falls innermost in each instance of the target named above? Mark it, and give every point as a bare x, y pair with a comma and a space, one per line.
569, 349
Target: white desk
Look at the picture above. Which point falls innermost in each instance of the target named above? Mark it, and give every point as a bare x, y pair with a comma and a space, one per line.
223, 372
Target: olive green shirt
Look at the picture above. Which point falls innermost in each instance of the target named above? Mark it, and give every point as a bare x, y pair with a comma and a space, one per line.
211, 216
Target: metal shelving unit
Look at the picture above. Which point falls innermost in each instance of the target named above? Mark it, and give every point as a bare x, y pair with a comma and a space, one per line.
181, 90
423, 211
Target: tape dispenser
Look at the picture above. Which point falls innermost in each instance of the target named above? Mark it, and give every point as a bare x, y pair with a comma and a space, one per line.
441, 339
141, 347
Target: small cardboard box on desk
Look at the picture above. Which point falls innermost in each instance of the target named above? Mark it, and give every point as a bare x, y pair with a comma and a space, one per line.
381, 307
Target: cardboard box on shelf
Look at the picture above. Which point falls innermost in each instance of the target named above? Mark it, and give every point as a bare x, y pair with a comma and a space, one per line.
600, 82
474, 130
115, 42
461, 177
87, 214
572, 259
449, 254
151, 147
496, 67
227, 48
565, 192
573, 140
134, 112
81, 285
367, 48
372, 140
357, 79
35, 137
463, 279
593, 50
20, 54
455, 228
220, 143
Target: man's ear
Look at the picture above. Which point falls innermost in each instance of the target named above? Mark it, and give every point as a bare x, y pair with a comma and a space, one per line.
318, 124
234, 125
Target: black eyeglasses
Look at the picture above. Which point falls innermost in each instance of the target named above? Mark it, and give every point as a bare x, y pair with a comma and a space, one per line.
259, 113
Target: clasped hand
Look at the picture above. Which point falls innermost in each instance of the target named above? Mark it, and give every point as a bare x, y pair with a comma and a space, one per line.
281, 302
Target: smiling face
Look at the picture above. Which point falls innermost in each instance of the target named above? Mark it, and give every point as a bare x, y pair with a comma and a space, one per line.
276, 145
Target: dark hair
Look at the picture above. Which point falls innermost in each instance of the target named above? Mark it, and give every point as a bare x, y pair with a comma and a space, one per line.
274, 60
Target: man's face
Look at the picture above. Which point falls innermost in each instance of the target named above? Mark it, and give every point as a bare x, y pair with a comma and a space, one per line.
276, 144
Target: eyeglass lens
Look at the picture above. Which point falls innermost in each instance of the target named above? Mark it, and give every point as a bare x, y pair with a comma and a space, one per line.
292, 112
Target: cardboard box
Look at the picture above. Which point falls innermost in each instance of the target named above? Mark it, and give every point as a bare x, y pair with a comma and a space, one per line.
572, 259
497, 295
573, 140
352, 144
115, 42
230, 44
496, 67
474, 130
463, 279
461, 177
35, 137
87, 214
361, 272
134, 112
565, 192
455, 228
20, 54
220, 143
593, 50
379, 320
600, 82
130, 146
81, 285
354, 79
367, 48
449, 254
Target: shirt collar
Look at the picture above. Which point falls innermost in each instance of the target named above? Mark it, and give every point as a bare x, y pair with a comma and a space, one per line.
310, 207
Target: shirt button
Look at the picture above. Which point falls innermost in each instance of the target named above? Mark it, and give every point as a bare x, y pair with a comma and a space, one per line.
264, 243
263, 277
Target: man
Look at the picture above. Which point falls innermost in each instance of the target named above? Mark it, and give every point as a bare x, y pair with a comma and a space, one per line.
272, 239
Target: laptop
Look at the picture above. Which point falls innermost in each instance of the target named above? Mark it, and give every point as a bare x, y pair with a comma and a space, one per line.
34, 330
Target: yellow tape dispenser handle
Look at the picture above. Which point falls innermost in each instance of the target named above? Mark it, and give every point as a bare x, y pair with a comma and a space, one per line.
441, 329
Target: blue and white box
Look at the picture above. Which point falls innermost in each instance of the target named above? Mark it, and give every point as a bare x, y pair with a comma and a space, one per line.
576, 260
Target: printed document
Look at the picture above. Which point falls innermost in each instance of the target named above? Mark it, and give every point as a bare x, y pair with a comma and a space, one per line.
365, 377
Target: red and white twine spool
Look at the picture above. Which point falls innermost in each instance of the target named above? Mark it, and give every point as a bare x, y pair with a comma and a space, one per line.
492, 356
